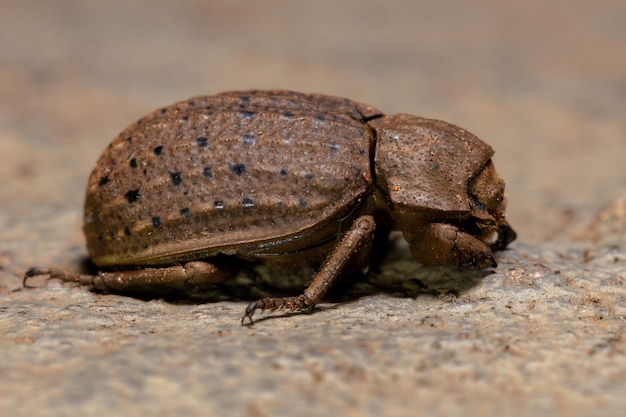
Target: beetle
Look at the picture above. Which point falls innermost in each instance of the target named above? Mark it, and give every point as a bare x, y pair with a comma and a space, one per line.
287, 179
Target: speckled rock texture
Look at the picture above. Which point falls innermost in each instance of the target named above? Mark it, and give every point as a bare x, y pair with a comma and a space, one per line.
543, 334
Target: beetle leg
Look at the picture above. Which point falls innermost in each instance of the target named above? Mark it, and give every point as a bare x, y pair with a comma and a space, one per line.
191, 273
358, 238
445, 244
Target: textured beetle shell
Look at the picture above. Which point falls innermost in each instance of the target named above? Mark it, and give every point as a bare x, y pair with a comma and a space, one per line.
241, 173
426, 163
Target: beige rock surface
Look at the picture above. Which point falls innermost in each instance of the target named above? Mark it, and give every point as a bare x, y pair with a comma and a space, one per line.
543, 334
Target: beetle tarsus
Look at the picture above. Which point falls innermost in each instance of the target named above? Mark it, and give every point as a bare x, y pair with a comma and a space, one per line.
300, 303
55, 273
36, 271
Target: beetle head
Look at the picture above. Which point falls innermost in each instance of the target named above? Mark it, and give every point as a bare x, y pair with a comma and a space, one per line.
488, 203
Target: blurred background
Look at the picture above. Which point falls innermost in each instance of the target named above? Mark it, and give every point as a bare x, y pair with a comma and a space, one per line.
543, 82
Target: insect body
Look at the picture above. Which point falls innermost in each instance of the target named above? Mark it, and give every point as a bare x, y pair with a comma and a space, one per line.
285, 178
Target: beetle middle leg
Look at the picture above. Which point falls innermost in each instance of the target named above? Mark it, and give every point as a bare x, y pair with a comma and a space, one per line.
445, 244
355, 243
190, 273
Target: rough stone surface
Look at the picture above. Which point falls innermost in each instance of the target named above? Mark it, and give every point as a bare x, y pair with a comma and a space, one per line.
542, 334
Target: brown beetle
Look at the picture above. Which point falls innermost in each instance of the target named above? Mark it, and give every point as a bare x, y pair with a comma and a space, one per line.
284, 178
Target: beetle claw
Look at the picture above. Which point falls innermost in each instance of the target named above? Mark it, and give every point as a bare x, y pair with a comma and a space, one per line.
33, 272
252, 307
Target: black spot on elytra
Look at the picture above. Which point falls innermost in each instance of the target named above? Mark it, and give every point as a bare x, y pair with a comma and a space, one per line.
103, 180
308, 176
156, 221
288, 115
244, 99
191, 103
247, 202
320, 118
238, 169
333, 146
132, 196
206, 171
302, 202
246, 114
185, 119
133, 163
218, 204
158, 150
249, 139
163, 110
283, 172
361, 151
127, 231
176, 178
202, 141
129, 139
184, 212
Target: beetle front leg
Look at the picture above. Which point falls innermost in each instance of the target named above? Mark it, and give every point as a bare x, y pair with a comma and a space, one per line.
358, 239
444, 244
190, 273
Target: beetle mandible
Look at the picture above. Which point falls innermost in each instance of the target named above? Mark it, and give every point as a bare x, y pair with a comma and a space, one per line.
287, 179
